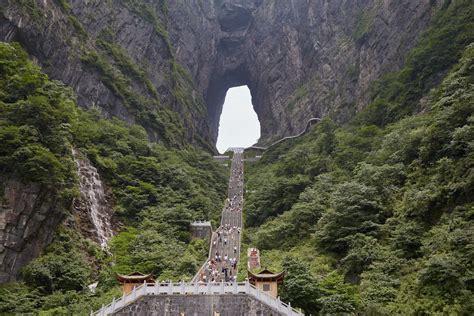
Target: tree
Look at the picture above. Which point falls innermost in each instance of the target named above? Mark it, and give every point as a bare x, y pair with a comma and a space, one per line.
300, 288
62, 268
355, 208
363, 250
336, 297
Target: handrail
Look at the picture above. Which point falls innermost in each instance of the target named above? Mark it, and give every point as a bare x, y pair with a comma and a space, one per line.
308, 125
241, 224
156, 289
209, 257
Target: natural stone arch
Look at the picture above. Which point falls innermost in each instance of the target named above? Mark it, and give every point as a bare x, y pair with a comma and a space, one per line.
234, 64
216, 94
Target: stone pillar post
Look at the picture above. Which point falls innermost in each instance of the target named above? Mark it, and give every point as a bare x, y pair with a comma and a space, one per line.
134, 293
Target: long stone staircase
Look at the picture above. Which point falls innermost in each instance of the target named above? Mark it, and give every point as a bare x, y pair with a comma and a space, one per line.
214, 289
225, 242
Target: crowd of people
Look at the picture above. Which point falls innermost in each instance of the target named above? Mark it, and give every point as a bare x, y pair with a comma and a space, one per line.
225, 249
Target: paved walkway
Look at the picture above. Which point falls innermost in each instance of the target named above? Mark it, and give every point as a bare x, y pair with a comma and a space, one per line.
225, 244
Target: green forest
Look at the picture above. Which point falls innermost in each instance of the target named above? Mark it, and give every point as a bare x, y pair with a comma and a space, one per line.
158, 191
375, 217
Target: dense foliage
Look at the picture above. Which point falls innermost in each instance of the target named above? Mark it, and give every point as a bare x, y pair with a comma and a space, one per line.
399, 94
35, 123
377, 216
158, 191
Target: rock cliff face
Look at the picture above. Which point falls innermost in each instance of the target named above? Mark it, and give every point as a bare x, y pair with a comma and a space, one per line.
29, 215
118, 58
300, 58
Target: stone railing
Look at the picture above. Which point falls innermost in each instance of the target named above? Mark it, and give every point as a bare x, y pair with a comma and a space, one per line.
201, 223
196, 288
209, 257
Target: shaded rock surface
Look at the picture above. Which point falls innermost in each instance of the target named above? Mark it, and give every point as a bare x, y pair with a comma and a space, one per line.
300, 59
116, 55
29, 215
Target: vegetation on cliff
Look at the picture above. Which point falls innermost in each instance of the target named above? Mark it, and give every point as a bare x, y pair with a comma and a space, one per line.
158, 191
376, 216
167, 116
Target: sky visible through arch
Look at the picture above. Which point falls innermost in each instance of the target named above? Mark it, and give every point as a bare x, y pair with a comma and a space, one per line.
238, 125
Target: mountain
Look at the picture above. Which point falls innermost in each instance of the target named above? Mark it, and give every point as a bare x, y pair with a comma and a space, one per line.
109, 114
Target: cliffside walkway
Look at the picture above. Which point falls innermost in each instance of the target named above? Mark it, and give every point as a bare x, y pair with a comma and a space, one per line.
310, 123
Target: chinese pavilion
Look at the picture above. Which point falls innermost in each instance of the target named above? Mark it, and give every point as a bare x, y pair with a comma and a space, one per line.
133, 280
267, 281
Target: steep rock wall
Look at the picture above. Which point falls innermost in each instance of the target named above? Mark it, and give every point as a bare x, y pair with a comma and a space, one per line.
29, 215
300, 58
117, 57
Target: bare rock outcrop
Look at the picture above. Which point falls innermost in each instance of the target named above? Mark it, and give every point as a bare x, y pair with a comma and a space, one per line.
29, 215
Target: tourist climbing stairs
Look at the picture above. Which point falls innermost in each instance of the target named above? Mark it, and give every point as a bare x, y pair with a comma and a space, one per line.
224, 251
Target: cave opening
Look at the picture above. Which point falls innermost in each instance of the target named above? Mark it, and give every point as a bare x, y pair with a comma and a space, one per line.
238, 124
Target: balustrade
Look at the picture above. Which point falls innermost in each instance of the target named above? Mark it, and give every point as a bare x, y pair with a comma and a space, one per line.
196, 288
